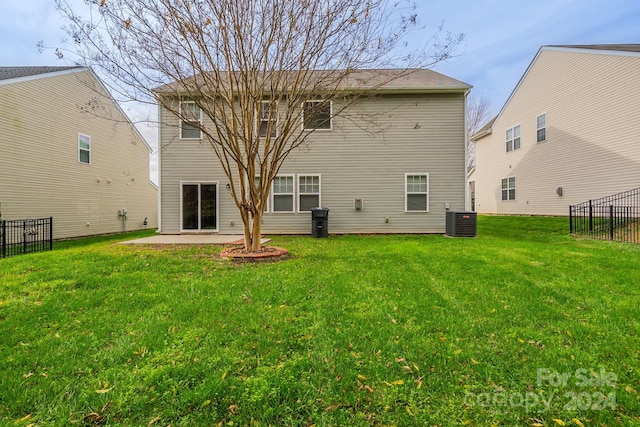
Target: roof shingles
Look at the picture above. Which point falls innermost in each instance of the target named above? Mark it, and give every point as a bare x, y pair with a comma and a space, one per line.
614, 47
7, 73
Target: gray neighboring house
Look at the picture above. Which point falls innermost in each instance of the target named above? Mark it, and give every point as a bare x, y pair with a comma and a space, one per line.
59, 159
402, 178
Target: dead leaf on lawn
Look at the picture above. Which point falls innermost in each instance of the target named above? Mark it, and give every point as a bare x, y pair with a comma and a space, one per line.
94, 418
332, 407
23, 419
577, 422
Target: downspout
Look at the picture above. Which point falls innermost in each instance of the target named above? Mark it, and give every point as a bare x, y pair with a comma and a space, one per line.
159, 148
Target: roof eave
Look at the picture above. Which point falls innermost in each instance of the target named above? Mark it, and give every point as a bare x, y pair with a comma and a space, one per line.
38, 76
416, 90
481, 135
383, 90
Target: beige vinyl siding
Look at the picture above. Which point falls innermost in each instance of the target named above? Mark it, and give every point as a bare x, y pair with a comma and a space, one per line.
407, 134
40, 172
591, 101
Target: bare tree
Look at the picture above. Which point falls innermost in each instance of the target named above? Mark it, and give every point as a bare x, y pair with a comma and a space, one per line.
477, 114
241, 73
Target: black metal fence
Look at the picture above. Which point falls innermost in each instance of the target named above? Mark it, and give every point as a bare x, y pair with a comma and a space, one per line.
25, 236
613, 217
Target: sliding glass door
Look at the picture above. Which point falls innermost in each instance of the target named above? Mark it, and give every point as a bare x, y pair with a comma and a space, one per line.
199, 207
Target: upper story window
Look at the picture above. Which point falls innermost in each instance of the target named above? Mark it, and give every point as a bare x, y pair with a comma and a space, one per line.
191, 119
513, 138
84, 148
308, 192
316, 115
541, 127
509, 188
268, 119
416, 193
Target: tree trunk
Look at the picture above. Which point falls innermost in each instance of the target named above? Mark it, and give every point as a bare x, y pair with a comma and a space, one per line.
255, 232
246, 228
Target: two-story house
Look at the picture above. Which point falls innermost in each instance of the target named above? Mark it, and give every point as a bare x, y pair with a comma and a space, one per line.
397, 175
567, 134
69, 152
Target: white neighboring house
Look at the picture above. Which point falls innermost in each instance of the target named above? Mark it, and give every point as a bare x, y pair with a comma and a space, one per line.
401, 178
568, 133
61, 158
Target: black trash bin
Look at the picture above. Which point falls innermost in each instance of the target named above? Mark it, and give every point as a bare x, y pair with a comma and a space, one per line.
320, 222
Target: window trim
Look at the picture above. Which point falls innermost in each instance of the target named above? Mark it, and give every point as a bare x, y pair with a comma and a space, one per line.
538, 129
502, 190
260, 119
407, 193
300, 193
513, 138
183, 121
273, 194
199, 229
321, 101
81, 149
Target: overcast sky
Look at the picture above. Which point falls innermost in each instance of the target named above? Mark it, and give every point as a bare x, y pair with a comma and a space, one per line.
502, 36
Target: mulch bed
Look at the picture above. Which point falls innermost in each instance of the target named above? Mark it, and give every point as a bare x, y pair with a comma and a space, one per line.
237, 253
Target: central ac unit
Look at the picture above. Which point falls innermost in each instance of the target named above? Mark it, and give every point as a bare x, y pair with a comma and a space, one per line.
461, 224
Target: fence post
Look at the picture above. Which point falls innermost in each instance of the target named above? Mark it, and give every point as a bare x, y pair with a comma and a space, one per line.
24, 236
611, 222
50, 233
3, 238
590, 216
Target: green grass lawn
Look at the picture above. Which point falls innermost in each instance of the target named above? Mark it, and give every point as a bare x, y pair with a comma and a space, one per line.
522, 325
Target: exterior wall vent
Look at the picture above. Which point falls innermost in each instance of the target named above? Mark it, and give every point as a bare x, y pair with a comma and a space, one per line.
358, 204
461, 224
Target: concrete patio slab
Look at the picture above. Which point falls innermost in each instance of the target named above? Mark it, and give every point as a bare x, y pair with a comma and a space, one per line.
190, 239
